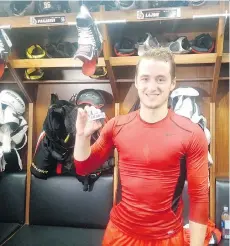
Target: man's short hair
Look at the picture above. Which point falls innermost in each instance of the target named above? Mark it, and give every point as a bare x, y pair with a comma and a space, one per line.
159, 54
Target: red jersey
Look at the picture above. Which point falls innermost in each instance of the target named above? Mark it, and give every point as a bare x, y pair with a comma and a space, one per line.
154, 161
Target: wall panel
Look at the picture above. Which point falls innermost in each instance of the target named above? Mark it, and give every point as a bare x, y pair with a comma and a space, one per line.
222, 130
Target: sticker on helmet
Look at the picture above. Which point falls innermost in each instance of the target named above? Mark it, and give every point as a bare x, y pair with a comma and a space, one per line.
97, 116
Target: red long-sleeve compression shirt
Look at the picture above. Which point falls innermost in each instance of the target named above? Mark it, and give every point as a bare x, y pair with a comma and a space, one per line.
154, 161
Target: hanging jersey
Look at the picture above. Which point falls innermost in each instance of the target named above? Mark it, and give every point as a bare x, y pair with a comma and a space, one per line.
154, 161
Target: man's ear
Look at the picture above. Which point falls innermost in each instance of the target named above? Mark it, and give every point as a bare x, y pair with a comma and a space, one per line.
173, 84
135, 81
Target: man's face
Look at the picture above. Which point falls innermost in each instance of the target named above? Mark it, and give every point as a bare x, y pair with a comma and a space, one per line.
154, 83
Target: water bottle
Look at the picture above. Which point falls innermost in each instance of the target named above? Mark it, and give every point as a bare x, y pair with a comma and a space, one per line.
225, 223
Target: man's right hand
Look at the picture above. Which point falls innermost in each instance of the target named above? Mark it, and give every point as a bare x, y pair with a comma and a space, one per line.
84, 126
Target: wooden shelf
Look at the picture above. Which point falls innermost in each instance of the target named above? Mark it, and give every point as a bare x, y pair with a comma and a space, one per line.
226, 58
179, 59
115, 61
55, 62
186, 13
89, 81
24, 21
103, 81
224, 78
195, 58
129, 16
124, 61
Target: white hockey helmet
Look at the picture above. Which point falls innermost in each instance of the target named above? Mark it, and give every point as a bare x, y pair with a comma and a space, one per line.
184, 91
13, 100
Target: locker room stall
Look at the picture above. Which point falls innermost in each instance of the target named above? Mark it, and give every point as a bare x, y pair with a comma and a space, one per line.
207, 72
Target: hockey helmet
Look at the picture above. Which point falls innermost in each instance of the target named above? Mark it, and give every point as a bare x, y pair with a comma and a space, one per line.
203, 44
146, 43
180, 46
92, 6
61, 50
35, 51
125, 5
90, 97
21, 8
100, 72
13, 100
166, 3
34, 73
197, 3
125, 47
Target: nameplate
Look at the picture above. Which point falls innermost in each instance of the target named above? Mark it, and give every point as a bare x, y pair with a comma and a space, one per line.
158, 13
41, 20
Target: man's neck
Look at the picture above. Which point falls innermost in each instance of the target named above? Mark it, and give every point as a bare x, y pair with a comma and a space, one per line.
153, 115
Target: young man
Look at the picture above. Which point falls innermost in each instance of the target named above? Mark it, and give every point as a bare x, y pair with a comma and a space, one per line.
157, 151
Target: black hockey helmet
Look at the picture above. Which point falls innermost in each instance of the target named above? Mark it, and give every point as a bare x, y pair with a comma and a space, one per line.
21, 8
203, 43
125, 47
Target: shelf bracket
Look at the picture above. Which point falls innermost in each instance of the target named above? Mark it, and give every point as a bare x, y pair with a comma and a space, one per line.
107, 51
219, 54
112, 80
